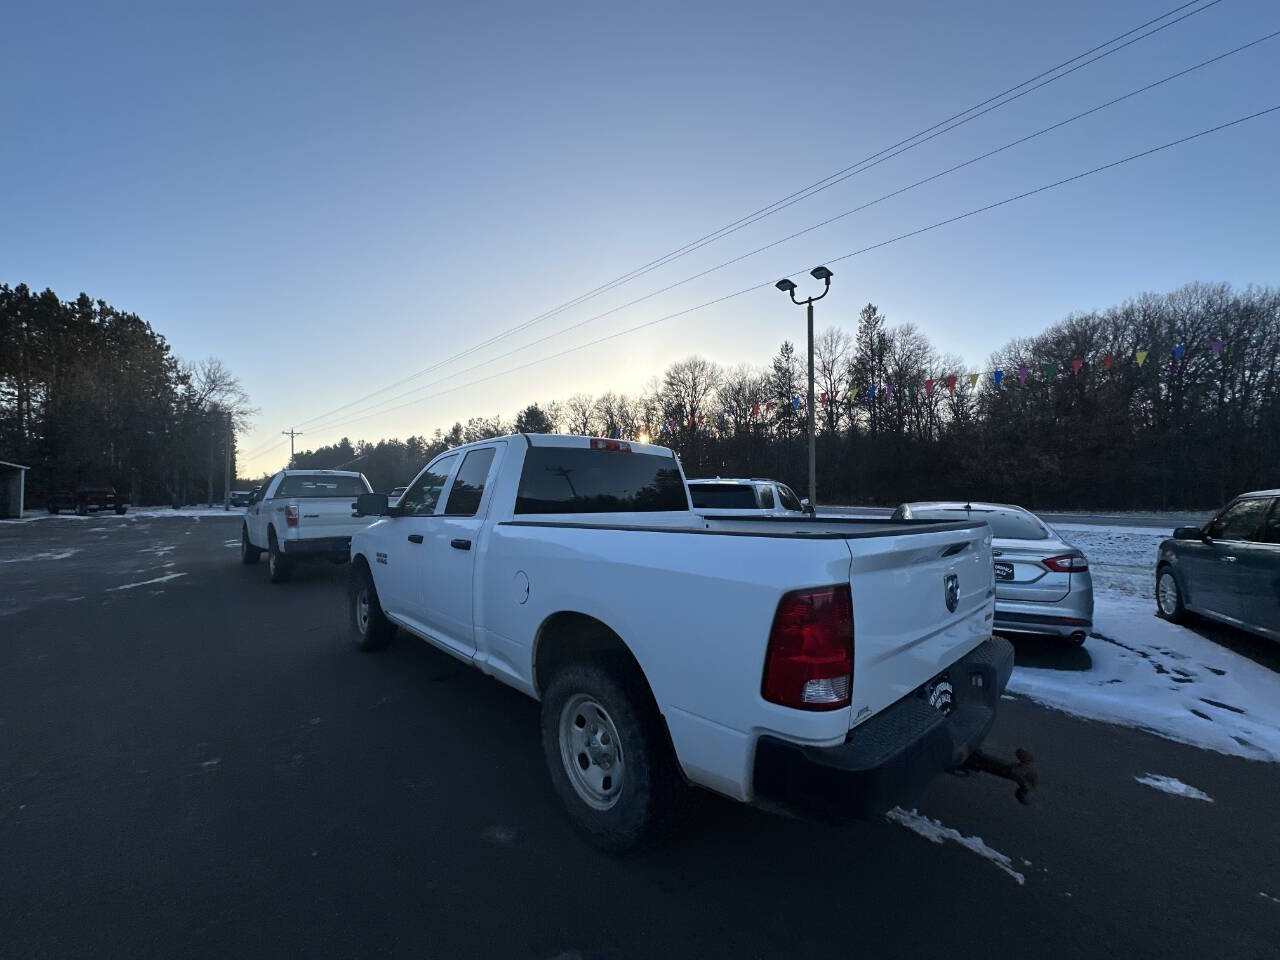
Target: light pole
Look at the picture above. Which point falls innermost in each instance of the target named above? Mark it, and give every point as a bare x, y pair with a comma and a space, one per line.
786, 286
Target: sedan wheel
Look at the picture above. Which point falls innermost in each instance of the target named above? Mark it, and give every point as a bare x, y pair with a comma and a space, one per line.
1169, 596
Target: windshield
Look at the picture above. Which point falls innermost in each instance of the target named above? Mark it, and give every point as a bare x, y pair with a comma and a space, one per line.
304, 485
581, 480
723, 496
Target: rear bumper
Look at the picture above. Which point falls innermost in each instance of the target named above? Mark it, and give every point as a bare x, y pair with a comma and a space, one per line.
891, 758
321, 548
1070, 615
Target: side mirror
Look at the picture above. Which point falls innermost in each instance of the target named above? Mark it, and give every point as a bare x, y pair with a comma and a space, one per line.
1188, 533
370, 505
808, 507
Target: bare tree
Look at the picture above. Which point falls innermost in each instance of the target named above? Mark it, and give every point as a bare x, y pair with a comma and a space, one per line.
581, 415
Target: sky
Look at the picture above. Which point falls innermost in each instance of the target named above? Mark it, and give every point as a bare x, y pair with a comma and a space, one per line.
333, 198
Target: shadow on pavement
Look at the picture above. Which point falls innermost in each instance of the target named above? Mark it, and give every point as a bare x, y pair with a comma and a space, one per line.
1260, 650
1049, 653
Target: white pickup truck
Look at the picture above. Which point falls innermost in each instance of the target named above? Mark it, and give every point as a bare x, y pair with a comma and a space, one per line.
301, 515
828, 666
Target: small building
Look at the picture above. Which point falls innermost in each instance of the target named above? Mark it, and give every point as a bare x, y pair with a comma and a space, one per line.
13, 481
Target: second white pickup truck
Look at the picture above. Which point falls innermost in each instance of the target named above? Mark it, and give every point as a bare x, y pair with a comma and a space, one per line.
301, 515
828, 666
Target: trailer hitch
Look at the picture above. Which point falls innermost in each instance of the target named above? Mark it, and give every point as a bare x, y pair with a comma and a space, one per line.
1021, 770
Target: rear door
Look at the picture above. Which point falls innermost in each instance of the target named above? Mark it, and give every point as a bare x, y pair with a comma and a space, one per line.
450, 552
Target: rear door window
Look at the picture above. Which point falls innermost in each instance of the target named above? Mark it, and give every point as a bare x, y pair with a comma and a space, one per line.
1270, 532
1241, 520
468, 485
587, 480
723, 496
766, 498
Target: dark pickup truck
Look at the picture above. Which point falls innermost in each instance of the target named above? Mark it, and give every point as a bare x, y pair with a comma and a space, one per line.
88, 498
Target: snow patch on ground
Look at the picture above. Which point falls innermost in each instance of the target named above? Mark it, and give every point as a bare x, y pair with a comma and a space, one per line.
134, 513
1151, 674
46, 555
1173, 785
146, 583
933, 831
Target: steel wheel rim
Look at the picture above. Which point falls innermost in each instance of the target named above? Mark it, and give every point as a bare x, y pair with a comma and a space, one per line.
362, 611
1167, 593
591, 752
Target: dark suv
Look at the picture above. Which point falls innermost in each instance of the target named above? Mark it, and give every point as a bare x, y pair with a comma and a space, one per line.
1229, 569
88, 498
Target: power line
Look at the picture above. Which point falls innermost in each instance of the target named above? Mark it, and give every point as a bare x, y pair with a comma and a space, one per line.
867, 249
1013, 143
937, 129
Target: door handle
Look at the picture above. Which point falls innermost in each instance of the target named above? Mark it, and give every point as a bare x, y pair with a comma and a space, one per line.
1228, 559
460, 544
415, 538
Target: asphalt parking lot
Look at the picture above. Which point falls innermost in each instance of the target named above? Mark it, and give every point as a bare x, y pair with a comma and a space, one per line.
194, 762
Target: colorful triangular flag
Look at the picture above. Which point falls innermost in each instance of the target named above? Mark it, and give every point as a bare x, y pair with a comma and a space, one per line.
997, 376
1142, 356
1076, 365
1215, 345
973, 379
1022, 373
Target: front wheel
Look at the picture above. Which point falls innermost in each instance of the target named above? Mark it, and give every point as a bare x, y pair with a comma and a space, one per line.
372, 628
609, 757
1169, 596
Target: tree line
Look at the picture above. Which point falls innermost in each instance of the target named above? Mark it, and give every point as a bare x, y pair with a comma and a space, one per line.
90, 394
1165, 401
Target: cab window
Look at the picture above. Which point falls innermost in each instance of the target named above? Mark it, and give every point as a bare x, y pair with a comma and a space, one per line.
788, 497
1241, 520
468, 485
424, 493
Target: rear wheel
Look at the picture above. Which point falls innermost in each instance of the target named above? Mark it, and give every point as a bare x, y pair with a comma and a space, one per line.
248, 552
372, 628
1169, 596
609, 757
279, 567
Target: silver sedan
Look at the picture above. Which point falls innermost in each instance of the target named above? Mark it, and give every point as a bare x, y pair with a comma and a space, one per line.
1043, 583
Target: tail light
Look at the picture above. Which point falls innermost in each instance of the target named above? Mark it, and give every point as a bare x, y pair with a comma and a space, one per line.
291, 515
1067, 563
809, 664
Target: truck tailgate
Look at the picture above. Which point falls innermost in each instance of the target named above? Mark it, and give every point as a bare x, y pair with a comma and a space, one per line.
320, 517
921, 601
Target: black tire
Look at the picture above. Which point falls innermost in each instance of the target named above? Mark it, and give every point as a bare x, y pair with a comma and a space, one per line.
81, 510
120, 511
249, 554
1173, 611
279, 567
652, 792
369, 625
53, 508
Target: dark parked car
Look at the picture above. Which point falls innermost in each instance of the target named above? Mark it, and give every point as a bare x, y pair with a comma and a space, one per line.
88, 498
241, 498
1229, 569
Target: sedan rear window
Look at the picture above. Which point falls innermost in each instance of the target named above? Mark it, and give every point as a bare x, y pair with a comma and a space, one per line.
582, 480
1005, 524
319, 485
723, 496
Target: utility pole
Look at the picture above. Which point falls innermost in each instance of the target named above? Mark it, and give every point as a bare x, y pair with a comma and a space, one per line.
290, 433
226, 483
786, 286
